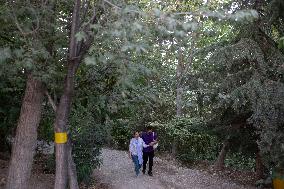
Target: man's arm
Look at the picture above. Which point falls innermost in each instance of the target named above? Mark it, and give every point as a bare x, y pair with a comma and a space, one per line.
155, 137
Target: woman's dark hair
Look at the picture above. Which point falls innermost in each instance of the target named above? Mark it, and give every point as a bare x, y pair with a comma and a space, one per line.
149, 127
135, 132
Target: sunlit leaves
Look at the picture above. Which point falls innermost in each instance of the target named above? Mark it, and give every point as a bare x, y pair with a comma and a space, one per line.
81, 36
5, 53
281, 43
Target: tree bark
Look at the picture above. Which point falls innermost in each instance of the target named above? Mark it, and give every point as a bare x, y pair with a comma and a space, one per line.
23, 147
178, 114
179, 89
72, 175
76, 52
63, 110
259, 167
60, 126
219, 164
179, 93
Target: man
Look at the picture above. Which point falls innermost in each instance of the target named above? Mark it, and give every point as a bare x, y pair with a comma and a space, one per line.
148, 152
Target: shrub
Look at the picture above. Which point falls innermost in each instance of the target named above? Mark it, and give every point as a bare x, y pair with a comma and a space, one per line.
240, 161
190, 135
87, 139
121, 134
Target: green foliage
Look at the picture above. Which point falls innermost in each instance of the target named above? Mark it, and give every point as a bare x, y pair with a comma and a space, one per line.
87, 139
45, 130
240, 161
281, 43
247, 94
121, 134
193, 142
130, 76
159, 35
268, 116
11, 92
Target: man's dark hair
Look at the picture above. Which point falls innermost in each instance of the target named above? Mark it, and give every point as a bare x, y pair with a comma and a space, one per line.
149, 128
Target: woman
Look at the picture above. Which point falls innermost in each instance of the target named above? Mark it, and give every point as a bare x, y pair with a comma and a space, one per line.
135, 151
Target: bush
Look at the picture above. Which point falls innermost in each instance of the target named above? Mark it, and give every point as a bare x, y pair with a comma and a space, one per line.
46, 130
121, 134
87, 139
194, 147
239, 161
190, 135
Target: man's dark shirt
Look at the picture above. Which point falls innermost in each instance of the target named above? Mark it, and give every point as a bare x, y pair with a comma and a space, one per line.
148, 138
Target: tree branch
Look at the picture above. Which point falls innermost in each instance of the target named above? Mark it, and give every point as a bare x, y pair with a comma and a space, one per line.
85, 30
20, 28
83, 47
190, 61
112, 4
74, 29
52, 103
85, 8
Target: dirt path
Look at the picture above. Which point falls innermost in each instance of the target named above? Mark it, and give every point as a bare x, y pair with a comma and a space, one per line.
117, 172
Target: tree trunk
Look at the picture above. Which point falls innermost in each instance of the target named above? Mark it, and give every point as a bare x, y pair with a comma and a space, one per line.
178, 114
219, 164
259, 167
76, 52
63, 110
179, 89
179, 101
179, 93
72, 175
24, 144
60, 126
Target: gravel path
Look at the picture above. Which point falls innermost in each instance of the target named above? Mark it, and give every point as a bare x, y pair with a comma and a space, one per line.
117, 172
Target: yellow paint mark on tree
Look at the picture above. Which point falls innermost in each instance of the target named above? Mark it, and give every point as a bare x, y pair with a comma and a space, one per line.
60, 138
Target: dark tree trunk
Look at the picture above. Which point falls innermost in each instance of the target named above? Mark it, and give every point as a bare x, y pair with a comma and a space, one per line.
76, 52
23, 147
60, 126
219, 164
63, 109
259, 167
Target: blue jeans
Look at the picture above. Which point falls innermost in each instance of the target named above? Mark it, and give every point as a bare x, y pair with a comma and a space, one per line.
136, 164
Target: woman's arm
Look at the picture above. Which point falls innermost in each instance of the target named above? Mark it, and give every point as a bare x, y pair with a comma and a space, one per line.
150, 144
144, 144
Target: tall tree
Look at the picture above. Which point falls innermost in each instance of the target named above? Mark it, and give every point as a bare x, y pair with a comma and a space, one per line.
24, 144
77, 50
23, 147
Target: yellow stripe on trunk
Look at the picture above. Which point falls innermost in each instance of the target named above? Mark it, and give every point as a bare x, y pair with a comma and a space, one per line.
60, 138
